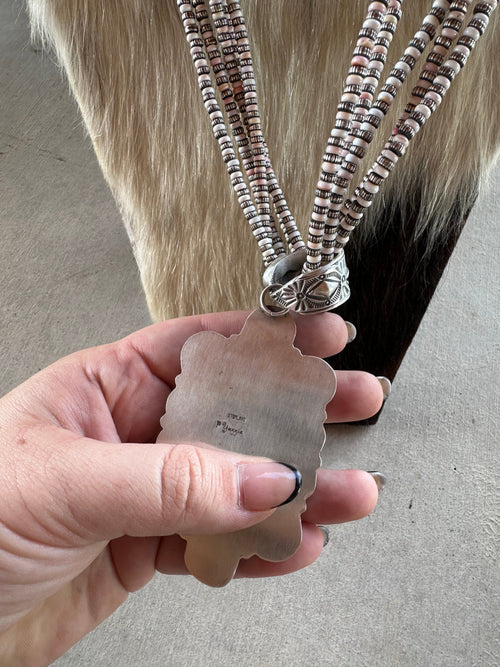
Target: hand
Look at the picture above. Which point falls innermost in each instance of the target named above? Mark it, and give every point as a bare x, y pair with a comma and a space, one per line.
91, 508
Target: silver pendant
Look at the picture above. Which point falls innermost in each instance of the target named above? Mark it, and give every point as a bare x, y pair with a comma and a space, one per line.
256, 394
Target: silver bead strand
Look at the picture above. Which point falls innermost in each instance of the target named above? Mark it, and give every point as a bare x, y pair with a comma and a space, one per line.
254, 157
359, 137
338, 233
189, 12
436, 57
291, 233
398, 143
335, 149
377, 112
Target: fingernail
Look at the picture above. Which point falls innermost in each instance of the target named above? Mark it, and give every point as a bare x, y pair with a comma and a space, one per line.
267, 485
380, 479
351, 331
386, 385
326, 535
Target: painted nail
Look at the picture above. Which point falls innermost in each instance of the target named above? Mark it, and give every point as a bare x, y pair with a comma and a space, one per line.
380, 479
326, 535
351, 331
267, 485
386, 385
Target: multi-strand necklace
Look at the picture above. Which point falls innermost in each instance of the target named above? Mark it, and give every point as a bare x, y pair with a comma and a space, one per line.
215, 397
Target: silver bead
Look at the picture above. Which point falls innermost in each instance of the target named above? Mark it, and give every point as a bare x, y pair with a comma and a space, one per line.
315, 291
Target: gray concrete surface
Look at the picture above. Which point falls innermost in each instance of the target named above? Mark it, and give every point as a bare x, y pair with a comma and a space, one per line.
416, 583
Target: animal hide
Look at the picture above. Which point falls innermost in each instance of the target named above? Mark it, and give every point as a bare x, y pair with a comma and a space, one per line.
129, 68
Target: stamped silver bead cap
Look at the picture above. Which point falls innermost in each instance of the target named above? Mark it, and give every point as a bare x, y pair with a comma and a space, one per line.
307, 292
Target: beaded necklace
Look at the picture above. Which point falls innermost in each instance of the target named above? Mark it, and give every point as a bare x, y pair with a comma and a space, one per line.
214, 400
220, 50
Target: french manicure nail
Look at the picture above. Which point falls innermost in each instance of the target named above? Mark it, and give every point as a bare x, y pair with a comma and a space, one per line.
326, 535
386, 385
380, 479
351, 331
267, 485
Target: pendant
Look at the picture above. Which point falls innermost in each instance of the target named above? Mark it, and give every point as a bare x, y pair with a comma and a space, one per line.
256, 394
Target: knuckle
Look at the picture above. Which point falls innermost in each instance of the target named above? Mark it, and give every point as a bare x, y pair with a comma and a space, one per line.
187, 488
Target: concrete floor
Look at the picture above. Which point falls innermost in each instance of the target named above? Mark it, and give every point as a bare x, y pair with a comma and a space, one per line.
414, 584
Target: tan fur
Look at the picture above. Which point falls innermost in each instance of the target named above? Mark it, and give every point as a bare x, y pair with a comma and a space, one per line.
130, 70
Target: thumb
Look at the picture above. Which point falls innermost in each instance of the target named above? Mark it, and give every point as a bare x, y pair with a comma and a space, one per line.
160, 489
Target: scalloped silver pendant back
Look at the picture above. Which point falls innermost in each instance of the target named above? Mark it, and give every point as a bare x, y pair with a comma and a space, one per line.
256, 394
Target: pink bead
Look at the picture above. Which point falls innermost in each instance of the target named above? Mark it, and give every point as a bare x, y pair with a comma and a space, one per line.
434, 96
378, 169
377, 7
423, 36
389, 155
472, 32
328, 167
413, 52
393, 81
349, 97
360, 60
461, 48
443, 81
377, 65
371, 187
372, 24
432, 20
413, 124
386, 97
453, 65
354, 79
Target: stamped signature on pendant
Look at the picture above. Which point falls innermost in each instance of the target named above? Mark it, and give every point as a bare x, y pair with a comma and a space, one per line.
229, 428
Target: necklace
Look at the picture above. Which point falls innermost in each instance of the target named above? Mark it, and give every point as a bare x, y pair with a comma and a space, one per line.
311, 277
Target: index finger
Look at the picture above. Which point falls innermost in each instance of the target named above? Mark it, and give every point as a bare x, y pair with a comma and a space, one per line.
137, 373
321, 335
